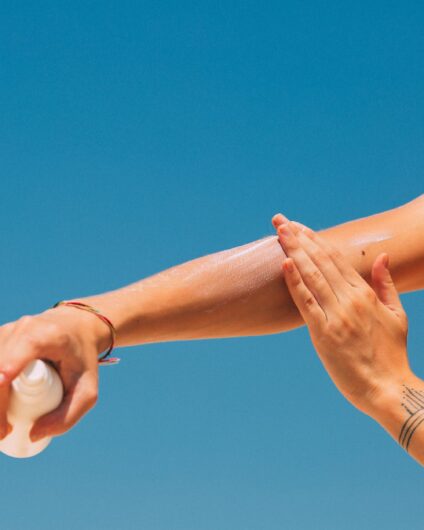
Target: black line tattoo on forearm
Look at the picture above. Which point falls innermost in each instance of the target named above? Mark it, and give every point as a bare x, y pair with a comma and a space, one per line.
413, 403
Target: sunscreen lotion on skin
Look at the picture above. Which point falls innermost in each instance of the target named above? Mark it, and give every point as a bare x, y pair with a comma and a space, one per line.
36, 391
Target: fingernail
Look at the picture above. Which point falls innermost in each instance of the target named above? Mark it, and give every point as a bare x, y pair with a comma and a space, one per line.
386, 261
3, 378
288, 266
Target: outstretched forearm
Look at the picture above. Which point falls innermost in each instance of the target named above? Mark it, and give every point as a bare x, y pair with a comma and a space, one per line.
240, 291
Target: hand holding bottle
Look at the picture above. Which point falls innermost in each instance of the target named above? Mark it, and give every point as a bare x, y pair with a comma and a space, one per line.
70, 340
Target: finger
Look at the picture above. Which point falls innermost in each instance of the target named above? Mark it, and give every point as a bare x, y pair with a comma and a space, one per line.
14, 359
383, 284
77, 401
319, 254
312, 276
5, 427
305, 301
279, 219
341, 262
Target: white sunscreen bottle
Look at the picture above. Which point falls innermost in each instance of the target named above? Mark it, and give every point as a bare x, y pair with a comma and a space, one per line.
37, 390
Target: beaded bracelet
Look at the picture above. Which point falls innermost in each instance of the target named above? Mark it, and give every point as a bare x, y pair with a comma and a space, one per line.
79, 305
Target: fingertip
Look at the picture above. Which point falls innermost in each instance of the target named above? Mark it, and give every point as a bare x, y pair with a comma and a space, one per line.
7, 375
275, 219
278, 219
12, 368
381, 262
3, 379
288, 265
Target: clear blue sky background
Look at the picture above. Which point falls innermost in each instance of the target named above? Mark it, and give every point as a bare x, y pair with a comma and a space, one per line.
138, 135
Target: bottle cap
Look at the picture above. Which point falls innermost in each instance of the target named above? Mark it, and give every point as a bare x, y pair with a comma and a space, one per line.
34, 373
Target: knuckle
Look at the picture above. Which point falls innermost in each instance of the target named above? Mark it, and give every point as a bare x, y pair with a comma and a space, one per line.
339, 327
319, 256
37, 333
357, 303
317, 276
314, 276
370, 295
335, 254
6, 327
296, 281
360, 302
334, 326
51, 328
348, 327
53, 332
44, 334
32, 341
309, 302
24, 320
331, 248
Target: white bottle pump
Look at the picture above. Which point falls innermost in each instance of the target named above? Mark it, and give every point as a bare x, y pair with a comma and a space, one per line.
36, 391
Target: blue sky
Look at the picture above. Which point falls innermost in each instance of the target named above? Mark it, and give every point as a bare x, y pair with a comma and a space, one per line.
138, 135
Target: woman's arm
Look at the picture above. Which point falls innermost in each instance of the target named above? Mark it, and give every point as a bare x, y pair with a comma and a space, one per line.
239, 291
231, 293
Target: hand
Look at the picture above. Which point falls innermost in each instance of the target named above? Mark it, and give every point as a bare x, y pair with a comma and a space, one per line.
359, 333
71, 340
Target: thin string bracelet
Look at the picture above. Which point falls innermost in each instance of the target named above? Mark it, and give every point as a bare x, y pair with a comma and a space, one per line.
85, 307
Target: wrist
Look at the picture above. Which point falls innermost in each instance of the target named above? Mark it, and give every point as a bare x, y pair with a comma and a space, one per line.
400, 412
125, 313
85, 325
386, 406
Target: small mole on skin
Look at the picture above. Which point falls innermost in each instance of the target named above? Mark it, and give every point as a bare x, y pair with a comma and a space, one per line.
363, 252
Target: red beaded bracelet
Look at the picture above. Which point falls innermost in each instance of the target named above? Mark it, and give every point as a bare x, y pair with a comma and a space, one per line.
86, 307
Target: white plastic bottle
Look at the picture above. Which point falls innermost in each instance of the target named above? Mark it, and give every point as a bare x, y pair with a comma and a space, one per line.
37, 390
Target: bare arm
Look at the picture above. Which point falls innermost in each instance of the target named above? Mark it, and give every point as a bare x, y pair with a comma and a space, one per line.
240, 291
231, 293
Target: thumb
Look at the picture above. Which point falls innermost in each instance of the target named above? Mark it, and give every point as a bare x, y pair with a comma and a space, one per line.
383, 284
